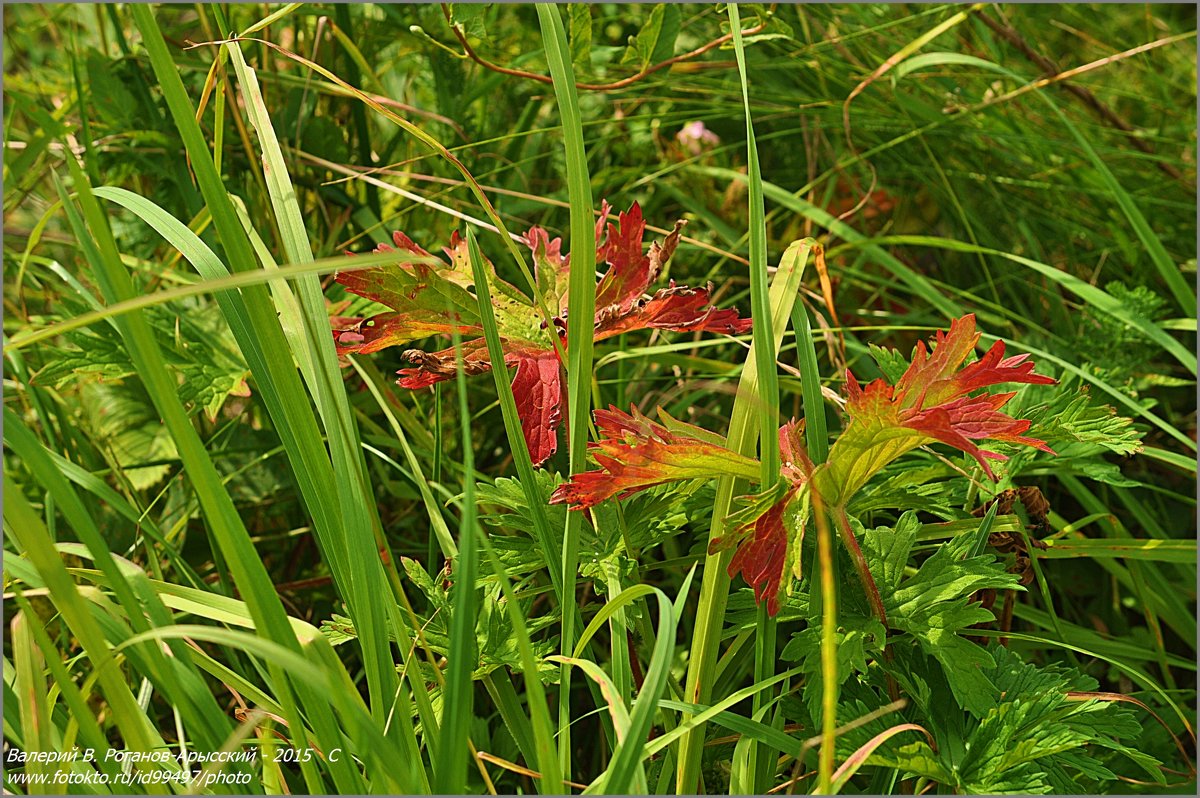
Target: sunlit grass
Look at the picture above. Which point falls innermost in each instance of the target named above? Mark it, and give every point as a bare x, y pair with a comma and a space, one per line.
314, 558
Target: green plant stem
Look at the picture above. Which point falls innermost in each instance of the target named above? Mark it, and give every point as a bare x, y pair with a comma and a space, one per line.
829, 647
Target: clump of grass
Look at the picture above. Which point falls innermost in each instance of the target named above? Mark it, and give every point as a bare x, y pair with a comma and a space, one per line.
220, 536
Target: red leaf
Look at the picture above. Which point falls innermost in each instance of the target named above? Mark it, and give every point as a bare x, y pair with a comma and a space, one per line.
759, 530
762, 557
537, 387
435, 299
635, 453
968, 419
676, 308
932, 379
930, 402
630, 272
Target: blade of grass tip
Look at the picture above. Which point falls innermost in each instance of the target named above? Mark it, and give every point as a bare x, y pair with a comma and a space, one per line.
758, 773
29, 683
219, 511
580, 321
361, 529
714, 588
459, 690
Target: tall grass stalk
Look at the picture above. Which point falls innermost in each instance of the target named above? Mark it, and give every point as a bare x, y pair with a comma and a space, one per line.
758, 773
582, 303
742, 437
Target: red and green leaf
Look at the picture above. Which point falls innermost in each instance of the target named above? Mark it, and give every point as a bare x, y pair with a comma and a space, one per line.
933, 379
675, 308
763, 529
930, 402
551, 268
436, 299
761, 533
629, 271
635, 453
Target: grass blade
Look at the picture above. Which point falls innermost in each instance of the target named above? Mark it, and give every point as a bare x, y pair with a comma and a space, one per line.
580, 320
459, 690
757, 774
714, 589
361, 531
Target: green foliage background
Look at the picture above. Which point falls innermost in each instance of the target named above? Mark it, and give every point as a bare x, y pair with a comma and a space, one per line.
188, 558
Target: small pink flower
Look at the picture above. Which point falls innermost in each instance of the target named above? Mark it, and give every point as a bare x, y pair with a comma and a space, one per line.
696, 138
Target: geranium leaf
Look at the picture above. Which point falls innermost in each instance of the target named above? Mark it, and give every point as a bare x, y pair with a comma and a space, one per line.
676, 308
762, 534
551, 266
635, 453
435, 297
930, 402
630, 272
435, 367
537, 387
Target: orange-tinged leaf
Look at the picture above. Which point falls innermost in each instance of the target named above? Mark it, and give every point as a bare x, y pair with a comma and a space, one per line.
635, 453
629, 271
434, 367
360, 336
761, 558
675, 308
934, 378
437, 299
760, 530
761, 535
930, 402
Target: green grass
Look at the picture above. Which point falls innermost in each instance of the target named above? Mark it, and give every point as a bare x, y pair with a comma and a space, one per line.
222, 535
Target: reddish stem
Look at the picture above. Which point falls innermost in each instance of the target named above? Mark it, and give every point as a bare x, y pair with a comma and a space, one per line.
864, 574
860, 564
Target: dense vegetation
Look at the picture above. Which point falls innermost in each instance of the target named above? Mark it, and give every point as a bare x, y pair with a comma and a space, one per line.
951, 252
